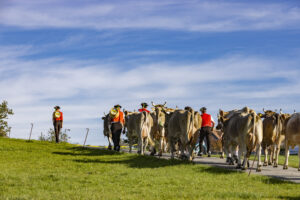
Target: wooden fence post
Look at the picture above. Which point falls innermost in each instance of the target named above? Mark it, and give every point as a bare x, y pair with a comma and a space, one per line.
30, 131
87, 132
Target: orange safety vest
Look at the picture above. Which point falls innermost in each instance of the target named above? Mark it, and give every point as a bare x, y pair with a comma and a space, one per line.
119, 118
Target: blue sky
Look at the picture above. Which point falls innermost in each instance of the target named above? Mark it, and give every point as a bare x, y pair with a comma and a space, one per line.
87, 56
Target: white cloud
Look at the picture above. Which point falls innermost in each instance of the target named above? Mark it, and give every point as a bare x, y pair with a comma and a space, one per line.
219, 16
86, 89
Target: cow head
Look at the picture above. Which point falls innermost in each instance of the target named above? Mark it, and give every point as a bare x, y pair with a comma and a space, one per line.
160, 113
222, 119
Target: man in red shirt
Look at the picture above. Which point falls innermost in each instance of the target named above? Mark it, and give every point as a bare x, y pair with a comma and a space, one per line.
207, 125
57, 119
144, 108
117, 124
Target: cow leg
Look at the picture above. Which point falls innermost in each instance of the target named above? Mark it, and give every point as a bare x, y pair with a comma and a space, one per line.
258, 152
146, 141
239, 165
161, 144
141, 144
266, 156
109, 142
287, 152
277, 150
172, 147
271, 155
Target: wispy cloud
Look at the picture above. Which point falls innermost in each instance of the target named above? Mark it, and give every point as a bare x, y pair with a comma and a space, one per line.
204, 16
86, 89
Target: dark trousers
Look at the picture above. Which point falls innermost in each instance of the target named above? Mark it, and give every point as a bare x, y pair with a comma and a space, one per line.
116, 129
57, 126
204, 133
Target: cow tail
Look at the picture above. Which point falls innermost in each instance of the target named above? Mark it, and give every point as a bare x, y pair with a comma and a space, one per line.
190, 125
254, 130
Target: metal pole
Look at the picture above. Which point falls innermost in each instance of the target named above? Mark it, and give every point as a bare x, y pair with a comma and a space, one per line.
30, 131
87, 132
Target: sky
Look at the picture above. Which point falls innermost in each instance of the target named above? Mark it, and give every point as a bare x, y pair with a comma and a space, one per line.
87, 56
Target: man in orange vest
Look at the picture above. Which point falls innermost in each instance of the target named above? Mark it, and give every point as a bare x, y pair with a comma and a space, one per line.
207, 125
57, 119
144, 108
117, 124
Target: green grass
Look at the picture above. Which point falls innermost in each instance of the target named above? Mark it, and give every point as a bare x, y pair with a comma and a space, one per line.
42, 170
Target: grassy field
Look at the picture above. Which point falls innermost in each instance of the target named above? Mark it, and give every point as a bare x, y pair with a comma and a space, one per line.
42, 170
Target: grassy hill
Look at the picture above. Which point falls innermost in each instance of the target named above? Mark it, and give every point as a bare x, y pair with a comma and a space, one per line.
42, 170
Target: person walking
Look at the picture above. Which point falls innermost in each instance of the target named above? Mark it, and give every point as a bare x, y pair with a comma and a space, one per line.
117, 124
144, 108
206, 129
57, 119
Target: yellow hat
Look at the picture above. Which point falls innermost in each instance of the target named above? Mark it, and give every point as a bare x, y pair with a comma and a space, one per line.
114, 113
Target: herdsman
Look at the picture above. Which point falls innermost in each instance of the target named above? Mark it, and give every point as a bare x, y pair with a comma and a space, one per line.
57, 119
144, 108
206, 128
117, 124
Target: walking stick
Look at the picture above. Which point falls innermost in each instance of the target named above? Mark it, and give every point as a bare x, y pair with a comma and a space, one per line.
252, 163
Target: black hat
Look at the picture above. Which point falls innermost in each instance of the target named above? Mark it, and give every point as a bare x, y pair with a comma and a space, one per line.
116, 106
202, 109
56, 107
144, 105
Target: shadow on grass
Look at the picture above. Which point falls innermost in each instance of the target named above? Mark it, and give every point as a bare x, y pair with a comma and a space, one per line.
81, 151
136, 161
216, 170
289, 197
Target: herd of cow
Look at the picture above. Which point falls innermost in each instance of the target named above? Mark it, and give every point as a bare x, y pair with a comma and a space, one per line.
244, 131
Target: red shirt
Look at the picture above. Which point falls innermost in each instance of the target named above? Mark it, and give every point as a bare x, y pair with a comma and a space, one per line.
58, 116
144, 109
206, 120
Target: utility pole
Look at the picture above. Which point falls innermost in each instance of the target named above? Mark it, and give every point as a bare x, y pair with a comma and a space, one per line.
30, 131
87, 132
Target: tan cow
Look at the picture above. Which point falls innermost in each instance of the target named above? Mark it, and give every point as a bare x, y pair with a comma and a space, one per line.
292, 136
243, 129
158, 130
272, 135
106, 130
139, 125
180, 130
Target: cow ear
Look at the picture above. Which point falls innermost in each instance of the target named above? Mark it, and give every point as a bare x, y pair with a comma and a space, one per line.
103, 118
125, 112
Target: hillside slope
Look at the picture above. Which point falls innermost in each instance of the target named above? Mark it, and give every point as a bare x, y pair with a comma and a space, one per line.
42, 170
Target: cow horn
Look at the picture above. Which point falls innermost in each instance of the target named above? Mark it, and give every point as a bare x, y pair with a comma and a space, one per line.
176, 107
104, 113
165, 103
280, 111
263, 109
294, 111
152, 104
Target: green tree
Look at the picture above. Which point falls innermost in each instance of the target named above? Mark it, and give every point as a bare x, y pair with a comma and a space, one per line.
4, 113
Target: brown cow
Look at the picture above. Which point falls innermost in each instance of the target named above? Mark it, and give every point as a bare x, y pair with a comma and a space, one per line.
139, 125
272, 135
292, 136
106, 130
243, 129
180, 130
